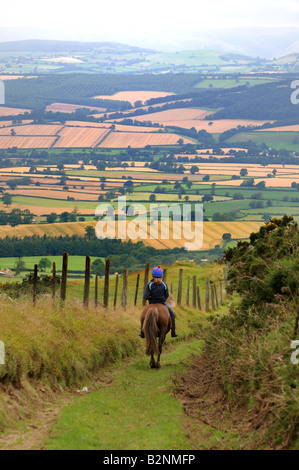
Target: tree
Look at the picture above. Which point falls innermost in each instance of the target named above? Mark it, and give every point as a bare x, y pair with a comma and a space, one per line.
89, 232
249, 183
194, 169
261, 185
72, 217
243, 172
27, 216
227, 237
97, 266
7, 199
207, 198
64, 217
44, 264
19, 266
51, 218
152, 198
3, 218
12, 184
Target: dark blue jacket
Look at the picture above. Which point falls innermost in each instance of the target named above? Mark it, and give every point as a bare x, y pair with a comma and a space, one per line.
156, 293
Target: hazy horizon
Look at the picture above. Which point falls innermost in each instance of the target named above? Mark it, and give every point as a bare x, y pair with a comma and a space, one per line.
253, 28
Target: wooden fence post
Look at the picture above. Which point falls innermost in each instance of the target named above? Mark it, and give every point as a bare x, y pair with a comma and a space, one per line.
188, 291
198, 298
216, 296
221, 292
125, 290
115, 290
64, 276
54, 281
171, 289
207, 294
106, 285
34, 285
194, 292
212, 297
165, 275
136, 289
87, 282
96, 290
146, 271
180, 285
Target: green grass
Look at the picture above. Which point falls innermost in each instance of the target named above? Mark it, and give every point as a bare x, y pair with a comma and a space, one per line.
75, 263
51, 203
230, 83
277, 140
136, 412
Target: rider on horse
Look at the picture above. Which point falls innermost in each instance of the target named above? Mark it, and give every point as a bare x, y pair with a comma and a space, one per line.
156, 292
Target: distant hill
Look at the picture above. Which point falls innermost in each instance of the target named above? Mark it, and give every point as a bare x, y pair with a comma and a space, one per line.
44, 45
36, 56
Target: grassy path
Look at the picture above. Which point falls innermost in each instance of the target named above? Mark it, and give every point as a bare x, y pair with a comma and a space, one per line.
136, 410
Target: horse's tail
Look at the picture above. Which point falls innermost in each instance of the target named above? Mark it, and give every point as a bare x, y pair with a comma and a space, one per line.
150, 329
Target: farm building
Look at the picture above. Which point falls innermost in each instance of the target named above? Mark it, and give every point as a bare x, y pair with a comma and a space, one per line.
6, 273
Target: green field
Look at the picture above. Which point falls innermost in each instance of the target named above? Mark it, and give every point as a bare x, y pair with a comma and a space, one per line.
51, 203
231, 83
75, 263
278, 140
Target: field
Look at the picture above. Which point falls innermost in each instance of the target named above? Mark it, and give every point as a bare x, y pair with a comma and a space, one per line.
75, 263
231, 83
5, 111
26, 142
32, 130
294, 128
70, 108
80, 137
188, 118
171, 115
137, 140
133, 96
278, 140
212, 232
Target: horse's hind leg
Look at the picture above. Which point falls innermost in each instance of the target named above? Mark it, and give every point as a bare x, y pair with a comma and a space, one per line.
152, 362
161, 341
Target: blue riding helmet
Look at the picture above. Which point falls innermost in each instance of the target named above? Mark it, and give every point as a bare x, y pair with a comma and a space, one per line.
157, 272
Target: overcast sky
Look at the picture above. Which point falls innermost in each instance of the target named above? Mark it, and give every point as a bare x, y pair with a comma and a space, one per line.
152, 21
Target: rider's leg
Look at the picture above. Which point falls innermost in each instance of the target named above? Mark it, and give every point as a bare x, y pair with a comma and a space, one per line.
173, 333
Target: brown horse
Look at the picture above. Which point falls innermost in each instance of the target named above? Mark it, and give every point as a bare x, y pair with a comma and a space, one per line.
156, 323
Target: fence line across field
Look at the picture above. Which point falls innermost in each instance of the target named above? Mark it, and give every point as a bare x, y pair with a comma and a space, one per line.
214, 292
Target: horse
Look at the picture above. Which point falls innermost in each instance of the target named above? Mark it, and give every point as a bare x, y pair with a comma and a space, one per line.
156, 323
